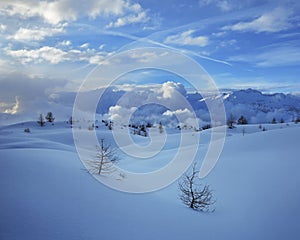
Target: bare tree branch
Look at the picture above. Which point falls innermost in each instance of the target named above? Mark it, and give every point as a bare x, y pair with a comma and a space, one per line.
193, 194
103, 161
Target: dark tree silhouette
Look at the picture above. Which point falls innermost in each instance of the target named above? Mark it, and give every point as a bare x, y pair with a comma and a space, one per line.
71, 120
49, 117
143, 131
41, 121
161, 128
149, 125
193, 195
27, 130
242, 120
207, 126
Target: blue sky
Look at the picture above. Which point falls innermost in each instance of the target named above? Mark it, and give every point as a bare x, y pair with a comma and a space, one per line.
48, 46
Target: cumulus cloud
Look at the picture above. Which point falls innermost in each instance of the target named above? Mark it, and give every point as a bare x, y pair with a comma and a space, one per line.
55, 12
120, 114
153, 103
55, 55
139, 16
168, 89
36, 34
46, 53
274, 21
184, 116
187, 38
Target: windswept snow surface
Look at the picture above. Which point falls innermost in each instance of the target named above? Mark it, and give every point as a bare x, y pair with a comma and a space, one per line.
46, 193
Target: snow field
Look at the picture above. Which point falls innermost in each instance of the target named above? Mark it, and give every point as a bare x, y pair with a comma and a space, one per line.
46, 193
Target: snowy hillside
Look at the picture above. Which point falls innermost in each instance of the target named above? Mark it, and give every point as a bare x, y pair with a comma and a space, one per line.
46, 193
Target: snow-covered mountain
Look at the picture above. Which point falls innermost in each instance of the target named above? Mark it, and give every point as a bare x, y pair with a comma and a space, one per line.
118, 101
258, 107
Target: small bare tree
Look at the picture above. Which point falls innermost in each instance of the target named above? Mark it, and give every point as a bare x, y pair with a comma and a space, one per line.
193, 194
103, 162
161, 128
41, 121
230, 122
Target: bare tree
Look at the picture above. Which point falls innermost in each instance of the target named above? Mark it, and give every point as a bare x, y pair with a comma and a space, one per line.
71, 121
193, 194
161, 128
230, 122
41, 121
103, 162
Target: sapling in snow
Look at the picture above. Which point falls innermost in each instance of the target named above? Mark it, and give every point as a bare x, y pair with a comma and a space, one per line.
193, 194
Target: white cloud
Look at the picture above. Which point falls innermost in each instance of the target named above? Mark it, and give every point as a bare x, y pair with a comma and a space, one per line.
147, 56
55, 12
154, 103
2, 27
85, 45
65, 43
224, 5
275, 21
14, 109
119, 114
37, 34
185, 117
102, 46
97, 59
169, 89
187, 38
55, 55
50, 54
139, 17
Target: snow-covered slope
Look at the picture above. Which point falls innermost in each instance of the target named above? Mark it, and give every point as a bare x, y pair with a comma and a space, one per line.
45, 192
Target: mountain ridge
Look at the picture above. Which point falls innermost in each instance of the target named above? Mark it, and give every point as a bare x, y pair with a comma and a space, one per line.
255, 106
